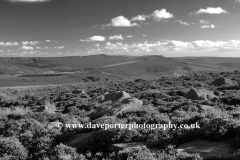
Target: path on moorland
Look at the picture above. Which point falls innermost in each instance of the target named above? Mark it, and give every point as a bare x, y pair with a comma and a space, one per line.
119, 64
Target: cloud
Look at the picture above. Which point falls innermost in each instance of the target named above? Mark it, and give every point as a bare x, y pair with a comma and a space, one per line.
121, 21
174, 46
32, 43
10, 50
116, 37
51, 41
116, 46
178, 44
129, 36
204, 22
211, 10
139, 18
161, 14
7, 44
96, 45
171, 48
93, 39
28, 1
12, 53
182, 23
60, 47
208, 26
27, 48
230, 45
236, 1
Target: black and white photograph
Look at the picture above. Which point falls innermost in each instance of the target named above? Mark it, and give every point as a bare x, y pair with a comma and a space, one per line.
119, 79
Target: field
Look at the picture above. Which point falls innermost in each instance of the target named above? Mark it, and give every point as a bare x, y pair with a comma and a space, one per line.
40, 96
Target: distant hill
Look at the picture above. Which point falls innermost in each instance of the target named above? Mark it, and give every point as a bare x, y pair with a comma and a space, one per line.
76, 68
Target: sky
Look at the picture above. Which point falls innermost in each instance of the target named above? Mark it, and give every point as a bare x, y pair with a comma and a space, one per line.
172, 28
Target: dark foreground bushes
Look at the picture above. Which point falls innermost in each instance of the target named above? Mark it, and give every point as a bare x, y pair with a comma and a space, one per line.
11, 148
142, 153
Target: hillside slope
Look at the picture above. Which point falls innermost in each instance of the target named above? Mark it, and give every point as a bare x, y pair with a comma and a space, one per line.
61, 70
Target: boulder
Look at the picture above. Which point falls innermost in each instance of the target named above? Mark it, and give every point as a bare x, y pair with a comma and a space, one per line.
116, 96
78, 91
129, 104
199, 84
218, 93
236, 114
113, 110
43, 109
199, 94
224, 82
55, 125
206, 107
131, 101
84, 95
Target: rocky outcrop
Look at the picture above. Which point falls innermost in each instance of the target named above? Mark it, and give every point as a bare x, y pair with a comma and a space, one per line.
131, 103
78, 91
48, 107
224, 82
44, 109
218, 93
114, 110
124, 103
116, 96
55, 125
205, 108
236, 114
200, 94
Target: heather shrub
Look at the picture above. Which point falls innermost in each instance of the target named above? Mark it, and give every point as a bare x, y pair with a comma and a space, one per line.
136, 153
170, 153
14, 111
63, 152
215, 129
17, 127
42, 147
159, 139
11, 148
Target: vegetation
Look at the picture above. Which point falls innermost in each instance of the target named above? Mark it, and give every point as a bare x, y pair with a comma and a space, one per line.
39, 63
28, 121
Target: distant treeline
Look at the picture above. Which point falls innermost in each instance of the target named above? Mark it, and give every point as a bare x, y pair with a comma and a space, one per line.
44, 58
43, 75
39, 63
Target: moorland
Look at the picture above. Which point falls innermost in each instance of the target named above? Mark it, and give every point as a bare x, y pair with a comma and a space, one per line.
38, 94
25, 71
